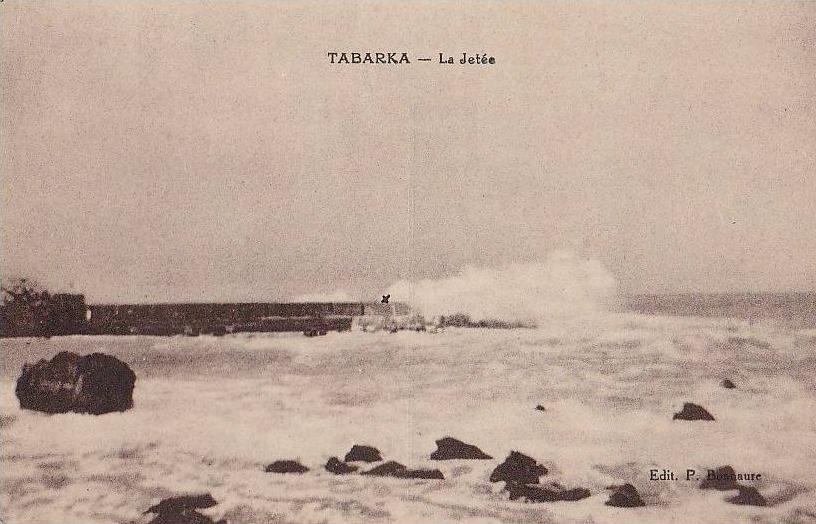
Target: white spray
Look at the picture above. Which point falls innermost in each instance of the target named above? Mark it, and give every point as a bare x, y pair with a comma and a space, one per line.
563, 285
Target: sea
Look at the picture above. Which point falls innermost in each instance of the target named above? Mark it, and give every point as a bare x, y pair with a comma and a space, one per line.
210, 412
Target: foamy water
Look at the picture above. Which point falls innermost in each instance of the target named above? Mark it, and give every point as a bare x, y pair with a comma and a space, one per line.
562, 287
210, 413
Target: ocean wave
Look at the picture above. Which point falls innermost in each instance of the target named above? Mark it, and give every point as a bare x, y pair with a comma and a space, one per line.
563, 285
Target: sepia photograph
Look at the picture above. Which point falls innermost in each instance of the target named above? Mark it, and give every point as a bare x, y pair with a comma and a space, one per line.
413, 262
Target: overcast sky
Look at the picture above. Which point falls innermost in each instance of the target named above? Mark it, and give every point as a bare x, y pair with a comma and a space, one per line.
161, 151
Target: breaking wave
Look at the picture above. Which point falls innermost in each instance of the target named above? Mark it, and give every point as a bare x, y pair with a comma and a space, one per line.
563, 285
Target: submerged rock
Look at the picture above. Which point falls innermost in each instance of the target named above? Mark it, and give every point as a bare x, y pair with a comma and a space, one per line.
182, 510
551, 493
363, 454
450, 448
286, 466
625, 496
95, 384
421, 474
339, 468
722, 479
395, 469
387, 469
518, 468
727, 384
692, 412
748, 496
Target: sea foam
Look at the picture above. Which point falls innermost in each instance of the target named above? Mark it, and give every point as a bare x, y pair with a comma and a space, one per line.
563, 285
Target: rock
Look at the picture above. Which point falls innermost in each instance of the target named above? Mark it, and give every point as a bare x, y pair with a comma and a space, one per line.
95, 384
727, 384
339, 468
722, 479
49, 386
387, 469
748, 496
182, 502
692, 412
552, 493
518, 468
186, 517
420, 474
540, 408
105, 384
286, 466
450, 448
363, 454
395, 469
182, 510
625, 496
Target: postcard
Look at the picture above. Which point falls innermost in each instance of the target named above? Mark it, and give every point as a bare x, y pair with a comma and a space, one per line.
408, 262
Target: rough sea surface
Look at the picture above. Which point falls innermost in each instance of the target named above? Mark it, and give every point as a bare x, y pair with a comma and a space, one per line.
210, 413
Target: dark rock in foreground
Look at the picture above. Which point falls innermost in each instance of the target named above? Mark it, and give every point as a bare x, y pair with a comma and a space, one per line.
692, 412
286, 466
95, 384
182, 510
339, 468
540, 408
722, 479
727, 384
363, 454
625, 496
387, 469
395, 469
748, 496
552, 493
182, 502
518, 468
434, 474
450, 448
